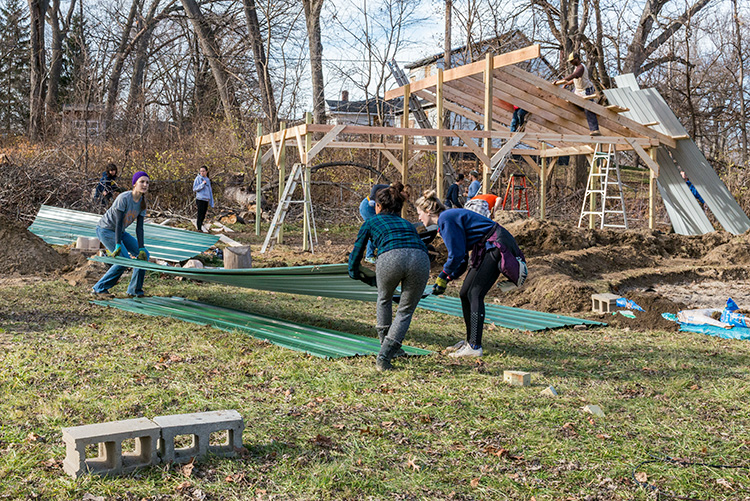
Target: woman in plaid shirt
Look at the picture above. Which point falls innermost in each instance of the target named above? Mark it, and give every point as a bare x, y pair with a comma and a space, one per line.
402, 260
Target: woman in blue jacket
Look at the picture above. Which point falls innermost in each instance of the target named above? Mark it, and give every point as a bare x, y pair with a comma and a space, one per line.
493, 251
204, 195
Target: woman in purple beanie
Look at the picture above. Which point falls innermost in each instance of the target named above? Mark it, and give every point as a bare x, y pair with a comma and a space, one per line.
128, 207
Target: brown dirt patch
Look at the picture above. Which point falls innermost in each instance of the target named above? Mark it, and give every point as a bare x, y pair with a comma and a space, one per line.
24, 253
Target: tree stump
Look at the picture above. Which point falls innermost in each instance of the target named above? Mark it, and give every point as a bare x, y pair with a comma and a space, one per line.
236, 258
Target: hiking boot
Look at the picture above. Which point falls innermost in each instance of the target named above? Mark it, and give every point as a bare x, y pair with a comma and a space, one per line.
102, 294
138, 296
467, 351
387, 351
595, 133
382, 333
455, 347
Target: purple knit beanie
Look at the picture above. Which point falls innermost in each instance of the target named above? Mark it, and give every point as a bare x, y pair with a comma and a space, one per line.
137, 175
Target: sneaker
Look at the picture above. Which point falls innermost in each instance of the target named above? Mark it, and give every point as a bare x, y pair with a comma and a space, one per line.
102, 294
370, 260
467, 351
455, 347
141, 295
595, 133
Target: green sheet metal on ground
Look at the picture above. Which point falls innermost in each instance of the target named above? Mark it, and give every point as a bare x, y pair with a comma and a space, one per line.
332, 280
58, 226
317, 341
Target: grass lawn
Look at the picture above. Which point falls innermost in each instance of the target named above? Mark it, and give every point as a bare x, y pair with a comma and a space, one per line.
436, 428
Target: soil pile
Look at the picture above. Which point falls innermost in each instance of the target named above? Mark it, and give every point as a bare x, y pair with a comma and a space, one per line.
25, 253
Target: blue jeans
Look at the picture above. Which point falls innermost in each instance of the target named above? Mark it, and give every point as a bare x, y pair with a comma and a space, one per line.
367, 212
517, 121
591, 119
130, 248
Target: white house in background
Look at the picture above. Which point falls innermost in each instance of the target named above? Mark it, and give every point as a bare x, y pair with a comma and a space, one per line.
466, 54
370, 112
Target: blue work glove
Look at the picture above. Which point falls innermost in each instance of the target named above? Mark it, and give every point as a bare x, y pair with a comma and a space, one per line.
143, 254
116, 251
439, 287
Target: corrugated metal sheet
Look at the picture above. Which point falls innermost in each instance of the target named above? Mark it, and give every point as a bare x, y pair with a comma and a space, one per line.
58, 226
332, 280
647, 106
627, 81
505, 316
317, 341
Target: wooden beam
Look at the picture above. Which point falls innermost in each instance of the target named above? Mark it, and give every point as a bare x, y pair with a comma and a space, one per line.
507, 147
405, 143
330, 136
440, 102
302, 155
530, 161
488, 112
392, 158
652, 192
648, 160
513, 57
543, 187
474, 147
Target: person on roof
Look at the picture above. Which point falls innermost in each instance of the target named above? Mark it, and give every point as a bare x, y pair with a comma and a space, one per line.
128, 207
494, 251
452, 197
519, 114
402, 260
583, 87
367, 210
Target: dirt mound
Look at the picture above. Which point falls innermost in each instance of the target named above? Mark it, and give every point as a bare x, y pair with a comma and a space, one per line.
650, 319
25, 253
734, 252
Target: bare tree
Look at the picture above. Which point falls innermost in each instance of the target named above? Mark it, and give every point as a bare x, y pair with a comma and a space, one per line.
38, 10
742, 122
261, 65
313, 9
59, 32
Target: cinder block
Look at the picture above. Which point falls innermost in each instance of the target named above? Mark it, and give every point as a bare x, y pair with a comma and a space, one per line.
517, 378
200, 425
109, 437
604, 303
87, 244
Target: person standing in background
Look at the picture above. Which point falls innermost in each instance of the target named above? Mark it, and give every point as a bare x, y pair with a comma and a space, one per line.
204, 195
106, 188
474, 186
452, 197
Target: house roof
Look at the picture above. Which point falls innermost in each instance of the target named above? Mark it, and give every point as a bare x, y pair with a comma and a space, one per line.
366, 106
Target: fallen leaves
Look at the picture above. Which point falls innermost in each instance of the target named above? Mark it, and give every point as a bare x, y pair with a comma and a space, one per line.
641, 477
413, 465
187, 469
322, 441
474, 483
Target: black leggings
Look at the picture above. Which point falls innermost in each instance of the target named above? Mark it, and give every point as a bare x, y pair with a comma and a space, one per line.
477, 284
202, 209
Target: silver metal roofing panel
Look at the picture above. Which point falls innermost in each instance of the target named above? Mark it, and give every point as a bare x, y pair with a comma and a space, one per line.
669, 123
717, 196
627, 81
686, 214
59, 226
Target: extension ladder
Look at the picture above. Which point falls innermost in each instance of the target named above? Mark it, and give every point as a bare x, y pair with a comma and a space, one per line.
604, 177
517, 187
296, 176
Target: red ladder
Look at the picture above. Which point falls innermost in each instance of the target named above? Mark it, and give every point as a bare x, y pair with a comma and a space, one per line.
517, 188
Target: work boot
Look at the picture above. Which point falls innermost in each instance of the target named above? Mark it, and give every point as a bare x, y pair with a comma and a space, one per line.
387, 352
382, 333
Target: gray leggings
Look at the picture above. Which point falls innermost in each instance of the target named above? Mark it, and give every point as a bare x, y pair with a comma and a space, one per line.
411, 269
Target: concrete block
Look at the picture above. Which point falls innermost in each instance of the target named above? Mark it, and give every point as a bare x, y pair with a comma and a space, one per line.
109, 436
87, 244
594, 409
517, 378
604, 303
549, 391
200, 425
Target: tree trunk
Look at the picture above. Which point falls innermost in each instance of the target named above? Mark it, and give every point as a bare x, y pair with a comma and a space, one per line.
447, 58
59, 33
741, 79
261, 66
38, 10
113, 84
312, 20
222, 77
135, 95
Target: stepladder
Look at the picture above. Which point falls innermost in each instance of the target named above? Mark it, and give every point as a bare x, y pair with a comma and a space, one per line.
604, 197
298, 176
516, 190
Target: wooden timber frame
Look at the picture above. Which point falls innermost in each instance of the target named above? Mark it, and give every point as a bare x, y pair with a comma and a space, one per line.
484, 92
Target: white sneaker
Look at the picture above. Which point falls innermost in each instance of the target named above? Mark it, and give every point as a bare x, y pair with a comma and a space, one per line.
455, 347
466, 351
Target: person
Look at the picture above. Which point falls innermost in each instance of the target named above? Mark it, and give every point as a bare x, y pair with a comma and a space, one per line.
204, 195
493, 251
487, 207
519, 114
107, 186
402, 260
583, 87
474, 186
693, 189
367, 210
128, 207
452, 197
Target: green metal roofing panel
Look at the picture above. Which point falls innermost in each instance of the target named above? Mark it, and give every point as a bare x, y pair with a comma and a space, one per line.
59, 226
317, 341
332, 280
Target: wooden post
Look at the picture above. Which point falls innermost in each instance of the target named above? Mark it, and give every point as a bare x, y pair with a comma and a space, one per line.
282, 175
542, 185
306, 227
487, 121
652, 192
439, 139
258, 180
405, 143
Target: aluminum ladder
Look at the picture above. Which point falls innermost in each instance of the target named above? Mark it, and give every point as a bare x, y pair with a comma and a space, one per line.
604, 177
415, 107
298, 175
